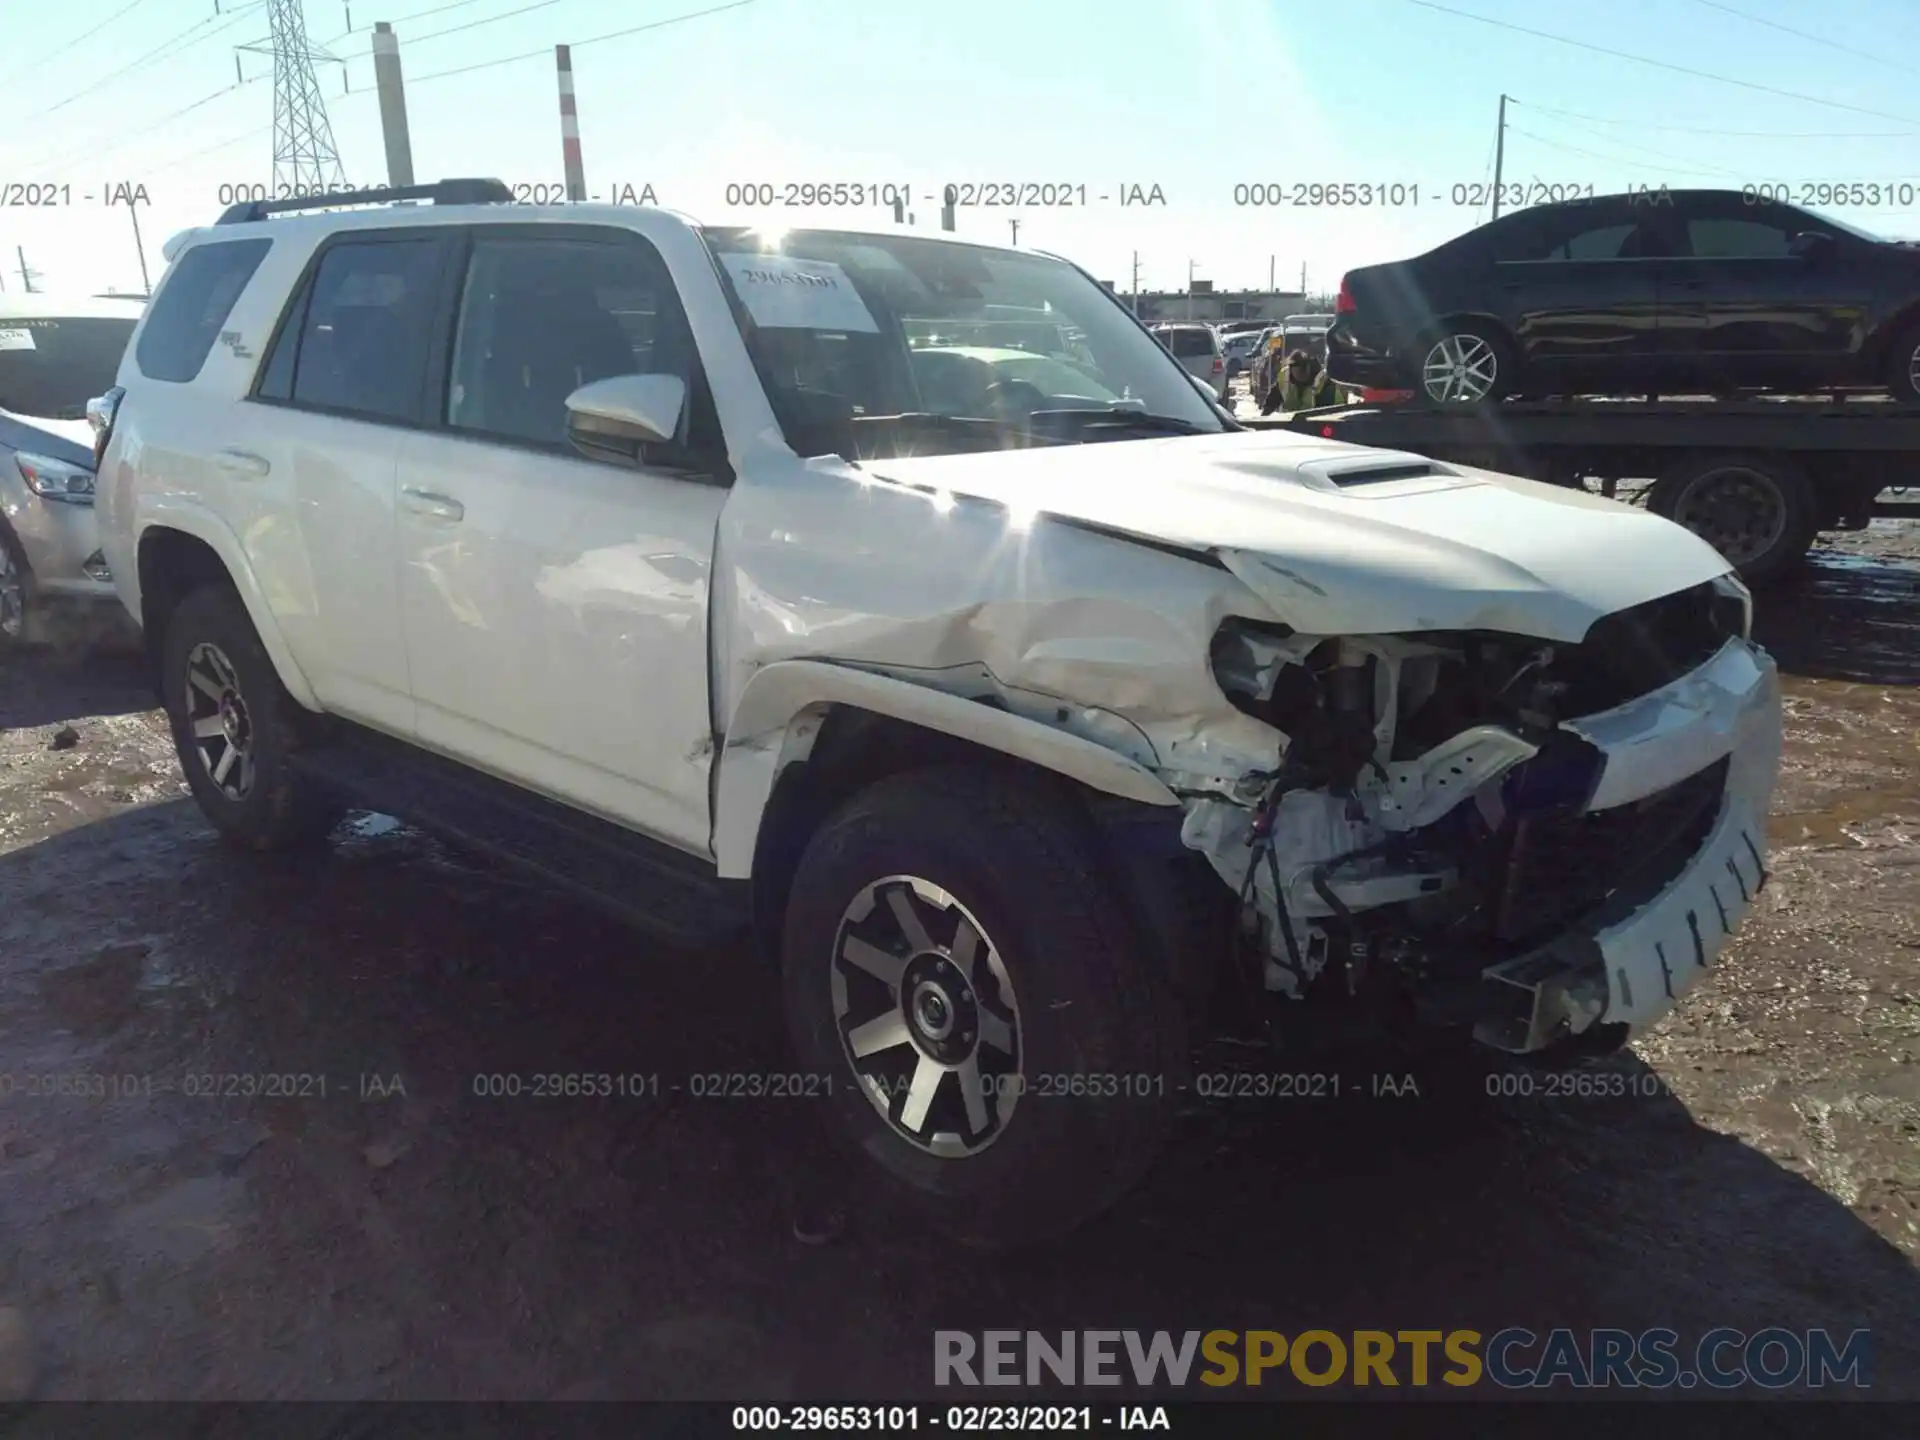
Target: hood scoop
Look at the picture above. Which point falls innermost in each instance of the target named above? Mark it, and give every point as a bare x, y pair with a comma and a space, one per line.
1379, 474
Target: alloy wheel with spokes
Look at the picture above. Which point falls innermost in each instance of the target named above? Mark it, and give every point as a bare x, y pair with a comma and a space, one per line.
927, 1015
1460, 369
13, 594
218, 720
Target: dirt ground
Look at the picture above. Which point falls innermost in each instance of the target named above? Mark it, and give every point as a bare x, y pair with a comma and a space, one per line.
402, 1236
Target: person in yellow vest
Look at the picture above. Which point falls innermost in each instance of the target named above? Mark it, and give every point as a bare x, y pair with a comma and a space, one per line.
1303, 385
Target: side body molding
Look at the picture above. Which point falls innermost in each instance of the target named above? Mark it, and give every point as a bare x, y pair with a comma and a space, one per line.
191, 518
784, 704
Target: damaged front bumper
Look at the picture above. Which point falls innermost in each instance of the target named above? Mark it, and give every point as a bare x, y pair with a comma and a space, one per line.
1706, 745
1629, 969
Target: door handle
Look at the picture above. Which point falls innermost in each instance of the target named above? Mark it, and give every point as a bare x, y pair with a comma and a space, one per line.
243, 462
433, 504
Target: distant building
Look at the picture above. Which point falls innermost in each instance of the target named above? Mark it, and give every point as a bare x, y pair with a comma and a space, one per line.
1213, 306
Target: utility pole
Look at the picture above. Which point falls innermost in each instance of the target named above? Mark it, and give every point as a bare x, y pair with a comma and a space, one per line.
27, 276
1136, 282
393, 105
1190, 265
133, 211
570, 127
1303, 278
1270, 273
1499, 155
1016, 230
305, 159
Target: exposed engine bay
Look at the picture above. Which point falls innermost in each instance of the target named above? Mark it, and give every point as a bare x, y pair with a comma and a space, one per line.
1431, 813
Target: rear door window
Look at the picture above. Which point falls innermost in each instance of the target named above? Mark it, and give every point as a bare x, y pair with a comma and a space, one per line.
194, 301
363, 327
1728, 239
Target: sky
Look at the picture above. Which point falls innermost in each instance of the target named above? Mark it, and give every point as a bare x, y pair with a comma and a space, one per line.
1213, 104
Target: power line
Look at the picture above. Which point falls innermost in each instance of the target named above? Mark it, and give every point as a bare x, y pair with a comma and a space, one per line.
417, 40
80, 39
1807, 35
1627, 159
1661, 64
91, 152
1743, 134
159, 52
410, 15
1670, 170
544, 51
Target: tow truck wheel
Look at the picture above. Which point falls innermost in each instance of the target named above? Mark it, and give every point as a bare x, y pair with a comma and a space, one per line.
1466, 363
981, 1016
1757, 510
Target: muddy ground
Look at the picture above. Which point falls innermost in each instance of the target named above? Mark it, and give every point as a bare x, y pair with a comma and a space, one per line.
156, 1241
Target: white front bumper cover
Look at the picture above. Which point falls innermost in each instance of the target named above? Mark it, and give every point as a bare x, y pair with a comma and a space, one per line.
1630, 970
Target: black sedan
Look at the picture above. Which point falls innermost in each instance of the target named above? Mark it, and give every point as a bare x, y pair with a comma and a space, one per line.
1713, 290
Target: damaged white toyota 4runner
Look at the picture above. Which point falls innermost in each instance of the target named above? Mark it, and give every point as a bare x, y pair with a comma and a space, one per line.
903, 601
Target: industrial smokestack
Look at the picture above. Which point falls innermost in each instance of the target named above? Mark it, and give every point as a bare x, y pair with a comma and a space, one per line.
570, 127
393, 104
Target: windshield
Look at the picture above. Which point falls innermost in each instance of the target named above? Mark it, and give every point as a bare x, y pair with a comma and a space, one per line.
894, 343
51, 366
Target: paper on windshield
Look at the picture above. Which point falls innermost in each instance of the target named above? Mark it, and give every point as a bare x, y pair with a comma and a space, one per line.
16, 339
783, 293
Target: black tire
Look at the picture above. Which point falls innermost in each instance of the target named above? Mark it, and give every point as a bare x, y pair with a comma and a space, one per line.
19, 601
279, 809
1022, 860
1506, 376
1902, 366
1763, 545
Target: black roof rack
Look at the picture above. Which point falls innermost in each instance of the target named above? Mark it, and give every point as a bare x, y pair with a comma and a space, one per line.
442, 192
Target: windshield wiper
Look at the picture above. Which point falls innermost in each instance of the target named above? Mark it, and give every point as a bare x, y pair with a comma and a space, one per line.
1119, 417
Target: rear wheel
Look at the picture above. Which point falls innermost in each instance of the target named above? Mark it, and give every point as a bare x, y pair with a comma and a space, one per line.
1465, 363
236, 729
997, 1043
1903, 367
1756, 510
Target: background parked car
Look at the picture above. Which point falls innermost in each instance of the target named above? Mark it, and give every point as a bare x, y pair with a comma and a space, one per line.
1624, 294
1238, 348
1198, 348
55, 355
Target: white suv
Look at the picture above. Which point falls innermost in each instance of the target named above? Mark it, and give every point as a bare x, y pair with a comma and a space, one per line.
1038, 723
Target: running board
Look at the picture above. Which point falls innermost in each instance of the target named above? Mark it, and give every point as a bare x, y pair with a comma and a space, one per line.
654, 887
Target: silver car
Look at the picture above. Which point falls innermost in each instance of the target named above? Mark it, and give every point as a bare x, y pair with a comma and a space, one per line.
55, 355
1198, 348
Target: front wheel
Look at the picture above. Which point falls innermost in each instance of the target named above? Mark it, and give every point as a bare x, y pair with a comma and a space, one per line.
997, 1043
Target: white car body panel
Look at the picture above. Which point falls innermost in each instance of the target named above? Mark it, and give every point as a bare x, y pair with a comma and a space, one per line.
1459, 550
656, 649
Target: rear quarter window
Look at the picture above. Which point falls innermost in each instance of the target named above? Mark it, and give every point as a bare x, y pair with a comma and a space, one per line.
194, 302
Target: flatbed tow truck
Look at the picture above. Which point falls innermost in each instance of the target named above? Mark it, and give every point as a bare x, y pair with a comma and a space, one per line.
1758, 477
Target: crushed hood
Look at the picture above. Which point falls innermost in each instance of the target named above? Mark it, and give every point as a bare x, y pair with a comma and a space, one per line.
1342, 539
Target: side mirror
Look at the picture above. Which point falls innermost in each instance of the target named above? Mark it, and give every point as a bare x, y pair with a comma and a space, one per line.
1810, 245
612, 419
